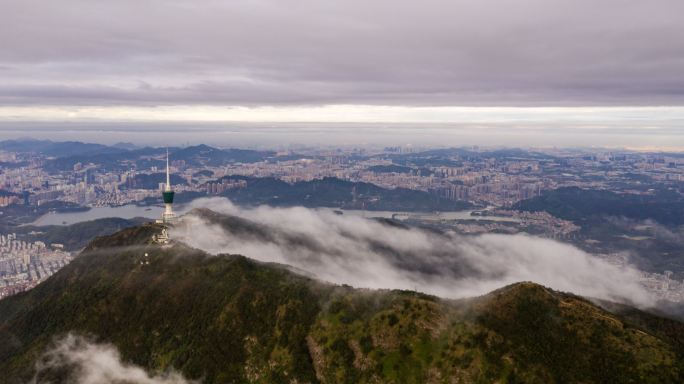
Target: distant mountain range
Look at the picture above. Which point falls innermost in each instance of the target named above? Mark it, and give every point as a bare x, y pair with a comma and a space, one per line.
57, 149
69, 153
227, 318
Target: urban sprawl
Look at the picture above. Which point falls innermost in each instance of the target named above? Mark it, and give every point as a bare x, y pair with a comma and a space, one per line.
489, 181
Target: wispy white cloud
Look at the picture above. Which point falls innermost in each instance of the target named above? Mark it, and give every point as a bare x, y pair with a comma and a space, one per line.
365, 253
87, 362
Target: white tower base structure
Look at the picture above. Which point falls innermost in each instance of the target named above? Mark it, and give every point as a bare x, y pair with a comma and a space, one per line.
168, 216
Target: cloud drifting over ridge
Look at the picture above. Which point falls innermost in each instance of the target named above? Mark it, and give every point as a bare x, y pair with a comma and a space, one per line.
345, 249
92, 363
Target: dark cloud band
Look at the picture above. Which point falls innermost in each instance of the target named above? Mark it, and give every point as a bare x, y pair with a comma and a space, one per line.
267, 52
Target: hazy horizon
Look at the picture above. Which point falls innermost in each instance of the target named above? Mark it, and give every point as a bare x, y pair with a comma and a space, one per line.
513, 73
288, 135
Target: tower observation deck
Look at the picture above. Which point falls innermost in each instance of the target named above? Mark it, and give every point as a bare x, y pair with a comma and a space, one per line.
168, 216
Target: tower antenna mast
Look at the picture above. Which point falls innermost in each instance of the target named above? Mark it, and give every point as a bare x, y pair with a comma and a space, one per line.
168, 174
167, 194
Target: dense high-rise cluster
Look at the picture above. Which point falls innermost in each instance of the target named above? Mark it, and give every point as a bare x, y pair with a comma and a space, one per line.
24, 264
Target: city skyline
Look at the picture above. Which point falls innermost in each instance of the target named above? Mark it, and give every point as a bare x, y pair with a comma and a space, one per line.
472, 191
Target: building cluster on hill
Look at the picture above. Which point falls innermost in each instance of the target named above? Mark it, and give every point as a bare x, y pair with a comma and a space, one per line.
24, 264
218, 187
662, 286
8, 200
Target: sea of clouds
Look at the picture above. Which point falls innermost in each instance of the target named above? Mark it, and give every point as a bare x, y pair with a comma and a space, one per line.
348, 249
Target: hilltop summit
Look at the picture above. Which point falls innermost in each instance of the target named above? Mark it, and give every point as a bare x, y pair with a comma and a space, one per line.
228, 318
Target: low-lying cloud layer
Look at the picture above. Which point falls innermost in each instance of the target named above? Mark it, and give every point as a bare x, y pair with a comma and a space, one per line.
92, 363
346, 249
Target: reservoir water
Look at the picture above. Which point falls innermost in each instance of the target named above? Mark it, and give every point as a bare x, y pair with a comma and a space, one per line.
124, 212
154, 212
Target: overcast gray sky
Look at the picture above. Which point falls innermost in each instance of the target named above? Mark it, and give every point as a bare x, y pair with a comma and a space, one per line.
337, 61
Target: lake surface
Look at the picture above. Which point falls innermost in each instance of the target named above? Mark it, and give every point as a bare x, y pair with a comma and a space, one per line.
154, 212
124, 212
456, 215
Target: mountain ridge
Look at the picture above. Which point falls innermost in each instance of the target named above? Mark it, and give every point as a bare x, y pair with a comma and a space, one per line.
227, 318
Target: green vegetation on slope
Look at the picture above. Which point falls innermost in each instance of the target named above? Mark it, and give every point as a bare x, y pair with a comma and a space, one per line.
522, 333
183, 309
230, 319
336, 193
78, 235
580, 205
647, 226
